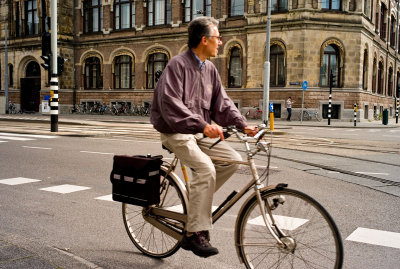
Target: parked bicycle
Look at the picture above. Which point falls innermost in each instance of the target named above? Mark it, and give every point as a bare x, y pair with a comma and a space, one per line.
254, 113
12, 108
309, 115
276, 227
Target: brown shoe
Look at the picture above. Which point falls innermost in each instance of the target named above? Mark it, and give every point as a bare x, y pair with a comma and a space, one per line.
199, 244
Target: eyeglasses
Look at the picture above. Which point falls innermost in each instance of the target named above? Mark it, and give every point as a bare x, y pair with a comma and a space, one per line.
219, 37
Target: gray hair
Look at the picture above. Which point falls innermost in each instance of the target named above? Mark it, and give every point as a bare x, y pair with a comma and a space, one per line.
199, 27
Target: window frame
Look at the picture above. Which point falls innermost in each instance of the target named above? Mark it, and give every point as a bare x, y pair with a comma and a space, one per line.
132, 14
338, 81
88, 11
206, 4
150, 76
381, 74
382, 26
390, 82
167, 13
117, 66
330, 5
279, 8
230, 70
230, 3
99, 76
374, 76
365, 71
30, 13
275, 69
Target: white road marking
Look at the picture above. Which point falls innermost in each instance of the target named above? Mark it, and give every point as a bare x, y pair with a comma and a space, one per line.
66, 188
371, 173
105, 198
285, 223
18, 180
179, 208
29, 135
16, 138
35, 147
375, 237
94, 152
3, 141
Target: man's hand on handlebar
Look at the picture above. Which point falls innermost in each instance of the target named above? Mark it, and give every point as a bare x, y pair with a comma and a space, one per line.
213, 131
250, 131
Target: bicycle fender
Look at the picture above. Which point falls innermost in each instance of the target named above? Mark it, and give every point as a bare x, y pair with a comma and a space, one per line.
244, 205
179, 183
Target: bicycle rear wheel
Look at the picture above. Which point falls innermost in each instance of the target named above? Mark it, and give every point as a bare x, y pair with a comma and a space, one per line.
311, 237
147, 238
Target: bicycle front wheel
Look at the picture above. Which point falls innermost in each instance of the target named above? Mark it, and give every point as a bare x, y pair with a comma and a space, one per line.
310, 236
147, 238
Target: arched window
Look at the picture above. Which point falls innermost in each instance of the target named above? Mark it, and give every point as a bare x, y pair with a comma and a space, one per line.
156, 62
277, 73
392, 32
93, 78
390, 82
93, 16
374, 74
365, 71
31, 18
235, 69
236, 8
124, 77
380, 78
124, 14
330, 65
331, 4
158, 12
197, 8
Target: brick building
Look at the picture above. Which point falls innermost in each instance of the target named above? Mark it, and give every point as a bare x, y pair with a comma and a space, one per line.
115, 47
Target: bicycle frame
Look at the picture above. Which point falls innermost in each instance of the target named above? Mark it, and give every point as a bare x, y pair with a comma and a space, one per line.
170, 228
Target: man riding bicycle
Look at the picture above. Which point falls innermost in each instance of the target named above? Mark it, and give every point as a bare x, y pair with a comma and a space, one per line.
188, 96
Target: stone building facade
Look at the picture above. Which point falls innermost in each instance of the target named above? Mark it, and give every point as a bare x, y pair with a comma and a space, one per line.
115, 47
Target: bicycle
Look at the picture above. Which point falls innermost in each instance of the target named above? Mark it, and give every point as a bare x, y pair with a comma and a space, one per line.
309, 115
255, 113
294, 231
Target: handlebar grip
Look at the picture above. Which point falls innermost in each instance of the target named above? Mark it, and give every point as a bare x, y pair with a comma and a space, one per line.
226, 135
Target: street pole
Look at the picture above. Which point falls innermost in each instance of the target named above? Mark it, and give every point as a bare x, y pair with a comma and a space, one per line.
6, 71
330, 98
54, 78
267, 67
355, 115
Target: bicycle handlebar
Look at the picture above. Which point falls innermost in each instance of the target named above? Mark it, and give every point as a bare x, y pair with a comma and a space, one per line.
229, 130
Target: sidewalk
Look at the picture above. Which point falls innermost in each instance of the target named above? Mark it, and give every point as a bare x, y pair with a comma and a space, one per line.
87, 119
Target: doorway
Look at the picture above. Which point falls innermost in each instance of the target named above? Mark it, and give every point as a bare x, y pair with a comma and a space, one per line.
30, 88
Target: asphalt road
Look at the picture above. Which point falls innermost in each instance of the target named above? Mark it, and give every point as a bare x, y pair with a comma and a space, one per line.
90, 231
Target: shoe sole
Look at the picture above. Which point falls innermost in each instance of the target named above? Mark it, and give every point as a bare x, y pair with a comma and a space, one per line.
200, 254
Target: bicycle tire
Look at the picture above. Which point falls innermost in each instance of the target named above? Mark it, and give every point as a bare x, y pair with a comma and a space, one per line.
146, 237
315, 238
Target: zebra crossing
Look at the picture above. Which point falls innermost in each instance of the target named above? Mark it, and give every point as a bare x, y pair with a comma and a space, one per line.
363, 235
7, 137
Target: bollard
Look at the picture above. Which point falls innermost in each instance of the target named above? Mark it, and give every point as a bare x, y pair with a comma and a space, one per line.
397, 110
355, 115
271, 121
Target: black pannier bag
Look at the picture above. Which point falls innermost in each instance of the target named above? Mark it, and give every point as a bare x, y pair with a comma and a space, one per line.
136, 179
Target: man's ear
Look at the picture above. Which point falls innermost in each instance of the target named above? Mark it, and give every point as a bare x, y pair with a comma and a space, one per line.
204, 40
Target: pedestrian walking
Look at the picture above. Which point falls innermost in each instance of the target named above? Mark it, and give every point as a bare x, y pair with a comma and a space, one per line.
289, 103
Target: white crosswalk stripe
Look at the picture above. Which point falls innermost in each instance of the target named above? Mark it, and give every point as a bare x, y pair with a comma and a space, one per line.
359, 235
7, 137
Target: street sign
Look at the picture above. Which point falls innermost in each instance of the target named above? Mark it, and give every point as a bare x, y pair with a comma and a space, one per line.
271, 107
305, 85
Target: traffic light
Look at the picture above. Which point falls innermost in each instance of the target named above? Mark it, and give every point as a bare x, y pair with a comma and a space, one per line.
47, 65
332, 80
60, 65
47, 62
46, 43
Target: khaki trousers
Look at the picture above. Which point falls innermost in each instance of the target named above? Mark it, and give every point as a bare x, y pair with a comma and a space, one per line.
207, 176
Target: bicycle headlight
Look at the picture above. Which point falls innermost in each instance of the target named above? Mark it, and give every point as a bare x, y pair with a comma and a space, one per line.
263, 146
